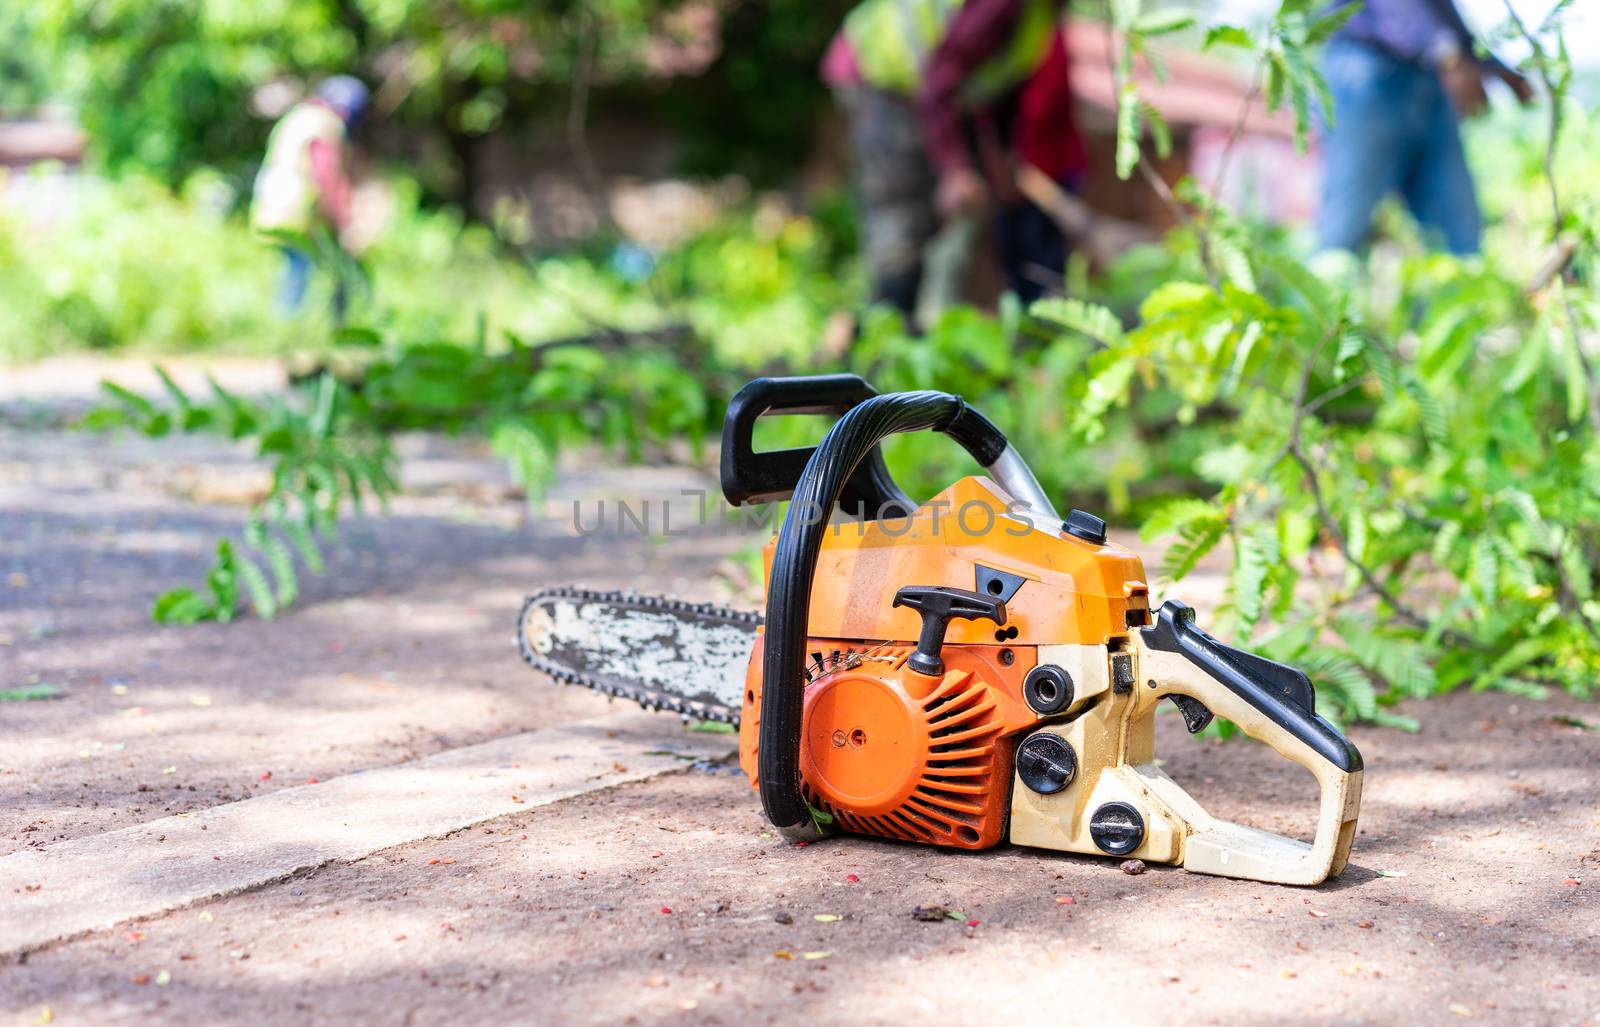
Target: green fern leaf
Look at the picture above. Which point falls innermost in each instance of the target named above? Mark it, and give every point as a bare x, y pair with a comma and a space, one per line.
1175, 514
1091, 319
1254, 555
1195, 540
256, 584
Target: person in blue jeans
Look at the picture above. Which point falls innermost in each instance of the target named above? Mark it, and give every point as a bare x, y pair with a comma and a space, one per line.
1402, 73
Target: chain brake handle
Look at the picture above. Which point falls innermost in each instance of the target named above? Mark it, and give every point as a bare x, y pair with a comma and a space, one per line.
1271, 703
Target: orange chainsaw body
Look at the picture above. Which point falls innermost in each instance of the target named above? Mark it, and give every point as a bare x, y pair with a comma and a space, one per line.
888, 751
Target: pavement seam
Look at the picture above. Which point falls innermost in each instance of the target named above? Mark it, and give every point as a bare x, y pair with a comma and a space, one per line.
76, 887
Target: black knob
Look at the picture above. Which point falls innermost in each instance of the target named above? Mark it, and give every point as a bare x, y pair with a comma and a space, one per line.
1117, 828
1047, 689
1046, 763
938, 604
1085, 525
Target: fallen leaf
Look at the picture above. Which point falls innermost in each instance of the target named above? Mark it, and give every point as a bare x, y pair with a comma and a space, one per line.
686, 1004
815, 955
1363, 924
1572, 882
169, 770
1066, 900
139, 979
656, 981
447, 861
826, 918
930, 914
134, 936
1319, 914
46, 1015
200, 700
783, 954
31, 693
518, 799
1459, 1009
1391, 873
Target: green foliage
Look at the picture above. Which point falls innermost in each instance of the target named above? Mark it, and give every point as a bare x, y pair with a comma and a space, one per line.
326, 455
1406, 475
131, 266
328, 445
134, 265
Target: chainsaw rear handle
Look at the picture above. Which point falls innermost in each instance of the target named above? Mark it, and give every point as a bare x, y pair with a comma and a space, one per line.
869, 490
830, 467
1271, 703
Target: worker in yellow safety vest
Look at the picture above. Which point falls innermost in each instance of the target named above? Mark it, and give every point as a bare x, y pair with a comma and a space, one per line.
304, 182
932, 89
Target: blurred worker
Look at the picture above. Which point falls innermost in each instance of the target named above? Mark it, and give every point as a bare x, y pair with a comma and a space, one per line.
932, 89
304, 183
1402, 73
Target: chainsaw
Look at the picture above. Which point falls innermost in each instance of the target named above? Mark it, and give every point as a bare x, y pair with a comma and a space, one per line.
959, 672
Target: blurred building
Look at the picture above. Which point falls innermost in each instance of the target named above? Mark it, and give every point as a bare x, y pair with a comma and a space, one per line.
40, 160
1203, 101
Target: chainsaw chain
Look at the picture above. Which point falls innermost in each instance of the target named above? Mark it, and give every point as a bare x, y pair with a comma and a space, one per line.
649, 698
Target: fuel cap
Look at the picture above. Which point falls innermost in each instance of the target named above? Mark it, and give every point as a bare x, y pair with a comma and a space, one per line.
1117, 828
1085, 525
1046, 763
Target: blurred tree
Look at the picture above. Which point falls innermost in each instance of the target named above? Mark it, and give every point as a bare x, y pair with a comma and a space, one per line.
169, 86
23, 76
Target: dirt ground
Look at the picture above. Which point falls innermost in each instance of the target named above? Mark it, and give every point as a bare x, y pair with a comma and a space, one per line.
1471, 894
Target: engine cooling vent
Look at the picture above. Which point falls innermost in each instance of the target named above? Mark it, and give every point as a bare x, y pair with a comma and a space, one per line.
957, 798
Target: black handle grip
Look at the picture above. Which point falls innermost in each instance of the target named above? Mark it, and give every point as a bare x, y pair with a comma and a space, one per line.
749, 477
940, 604
870, 491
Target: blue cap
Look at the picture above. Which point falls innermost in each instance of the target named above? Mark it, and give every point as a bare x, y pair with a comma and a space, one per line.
346, 95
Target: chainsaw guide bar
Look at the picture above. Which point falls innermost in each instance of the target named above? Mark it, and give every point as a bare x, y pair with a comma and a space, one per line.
664, 654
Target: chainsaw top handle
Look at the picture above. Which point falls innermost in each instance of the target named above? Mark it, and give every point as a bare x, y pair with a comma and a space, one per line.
869, 491
829, 470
